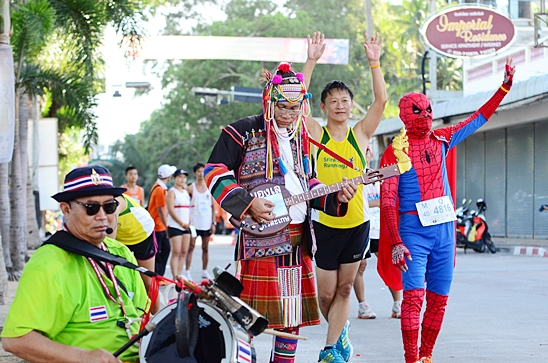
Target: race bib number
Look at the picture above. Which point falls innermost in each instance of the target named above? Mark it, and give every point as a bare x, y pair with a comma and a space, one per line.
375, 218
202, 207
436, 211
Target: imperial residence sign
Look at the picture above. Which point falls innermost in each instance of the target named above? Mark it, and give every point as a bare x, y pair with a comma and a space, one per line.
468, 32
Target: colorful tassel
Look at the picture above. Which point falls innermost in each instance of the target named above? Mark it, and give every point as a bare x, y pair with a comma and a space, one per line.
283, 168
306, 165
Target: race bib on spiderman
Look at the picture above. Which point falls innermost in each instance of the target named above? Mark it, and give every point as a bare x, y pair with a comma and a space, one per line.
436, 211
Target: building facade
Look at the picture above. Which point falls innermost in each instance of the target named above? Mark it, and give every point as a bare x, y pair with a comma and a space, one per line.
506, 161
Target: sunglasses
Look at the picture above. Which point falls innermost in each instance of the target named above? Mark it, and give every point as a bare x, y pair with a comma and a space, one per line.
287, 111
93, 208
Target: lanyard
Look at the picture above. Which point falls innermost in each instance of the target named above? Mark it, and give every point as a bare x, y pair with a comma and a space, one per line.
118, 301
335, 155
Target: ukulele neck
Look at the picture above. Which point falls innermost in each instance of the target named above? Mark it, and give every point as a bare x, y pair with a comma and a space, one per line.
324, 190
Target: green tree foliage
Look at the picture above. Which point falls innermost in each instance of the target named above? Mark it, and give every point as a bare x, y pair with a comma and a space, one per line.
71, 153
184, 129
56, 52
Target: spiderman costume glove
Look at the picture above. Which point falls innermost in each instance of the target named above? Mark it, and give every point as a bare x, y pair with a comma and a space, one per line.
508, 75
399, 254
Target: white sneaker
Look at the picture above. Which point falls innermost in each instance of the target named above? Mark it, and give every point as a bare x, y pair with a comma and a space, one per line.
396, 310
188, 275
206, 275
365, 312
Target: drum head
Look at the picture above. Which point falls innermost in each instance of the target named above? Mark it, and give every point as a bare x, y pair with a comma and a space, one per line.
219, 341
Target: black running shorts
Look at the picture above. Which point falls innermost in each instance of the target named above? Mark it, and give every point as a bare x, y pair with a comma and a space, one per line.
337, 246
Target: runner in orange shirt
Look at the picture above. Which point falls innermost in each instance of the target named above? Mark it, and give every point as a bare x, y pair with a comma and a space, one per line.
133, 190
157, 209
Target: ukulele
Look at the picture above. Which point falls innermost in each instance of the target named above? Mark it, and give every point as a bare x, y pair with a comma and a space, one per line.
281, 197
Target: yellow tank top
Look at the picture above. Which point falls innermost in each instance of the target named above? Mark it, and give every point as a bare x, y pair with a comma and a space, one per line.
134, 223
331, 171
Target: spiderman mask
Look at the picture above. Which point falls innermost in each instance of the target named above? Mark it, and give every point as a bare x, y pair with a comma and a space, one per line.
416, 114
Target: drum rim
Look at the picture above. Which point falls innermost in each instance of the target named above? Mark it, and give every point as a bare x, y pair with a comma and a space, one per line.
231, 345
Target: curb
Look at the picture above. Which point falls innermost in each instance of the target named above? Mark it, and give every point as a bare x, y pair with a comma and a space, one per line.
505, 249
530, 251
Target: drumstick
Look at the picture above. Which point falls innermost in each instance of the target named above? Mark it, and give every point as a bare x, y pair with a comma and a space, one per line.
284, 335
148, 328
195, 288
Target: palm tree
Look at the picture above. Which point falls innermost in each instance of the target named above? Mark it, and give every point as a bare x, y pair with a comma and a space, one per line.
74, 28
32, 24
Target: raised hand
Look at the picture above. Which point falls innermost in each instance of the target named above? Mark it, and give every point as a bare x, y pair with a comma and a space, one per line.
316, 46
399, 254
372, 48
509, 72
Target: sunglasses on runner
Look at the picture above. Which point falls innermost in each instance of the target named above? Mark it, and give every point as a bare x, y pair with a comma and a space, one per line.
93, 208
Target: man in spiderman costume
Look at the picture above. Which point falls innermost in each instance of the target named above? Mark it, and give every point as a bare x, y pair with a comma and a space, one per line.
423, 248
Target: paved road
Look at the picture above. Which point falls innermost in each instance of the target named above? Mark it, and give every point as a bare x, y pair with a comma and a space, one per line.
496, 313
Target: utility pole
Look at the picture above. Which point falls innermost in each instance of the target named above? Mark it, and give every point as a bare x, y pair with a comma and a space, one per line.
7, 131
7, 85
369, 17
370, 31
433, 58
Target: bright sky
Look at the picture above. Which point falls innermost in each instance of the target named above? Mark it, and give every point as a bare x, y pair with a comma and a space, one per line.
118, 116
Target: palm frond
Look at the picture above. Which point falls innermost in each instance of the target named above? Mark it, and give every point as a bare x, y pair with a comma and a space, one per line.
72, 100
32, 23
84, 21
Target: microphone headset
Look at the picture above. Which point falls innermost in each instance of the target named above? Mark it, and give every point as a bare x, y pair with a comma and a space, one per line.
109, 230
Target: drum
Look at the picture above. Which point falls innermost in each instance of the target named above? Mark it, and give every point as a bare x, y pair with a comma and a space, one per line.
220, 339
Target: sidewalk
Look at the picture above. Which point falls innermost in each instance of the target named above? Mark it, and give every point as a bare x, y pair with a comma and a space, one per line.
518, 246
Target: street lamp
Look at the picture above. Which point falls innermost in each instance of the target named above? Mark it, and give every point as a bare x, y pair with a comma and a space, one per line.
136, 85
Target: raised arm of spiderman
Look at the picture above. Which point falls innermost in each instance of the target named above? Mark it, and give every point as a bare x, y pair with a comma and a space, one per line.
427, 150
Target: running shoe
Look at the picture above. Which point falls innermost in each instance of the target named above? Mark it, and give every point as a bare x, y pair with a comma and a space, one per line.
396, 310
188, 275
344, 346
206, 275
425, 360
365, 312
330, 355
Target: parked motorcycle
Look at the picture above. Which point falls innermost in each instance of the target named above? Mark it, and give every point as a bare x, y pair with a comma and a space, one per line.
472, 230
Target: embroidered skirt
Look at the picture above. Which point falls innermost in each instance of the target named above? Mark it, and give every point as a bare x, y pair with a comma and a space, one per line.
283, 288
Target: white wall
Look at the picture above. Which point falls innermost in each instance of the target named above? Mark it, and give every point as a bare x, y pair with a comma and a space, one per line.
48, 161
486, 75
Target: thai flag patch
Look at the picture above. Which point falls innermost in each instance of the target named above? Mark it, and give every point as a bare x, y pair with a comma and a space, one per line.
98, 313
244, 352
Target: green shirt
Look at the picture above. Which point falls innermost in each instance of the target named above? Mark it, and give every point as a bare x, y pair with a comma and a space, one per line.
57, 293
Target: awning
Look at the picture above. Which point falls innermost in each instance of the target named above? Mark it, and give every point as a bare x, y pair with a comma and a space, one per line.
522, 93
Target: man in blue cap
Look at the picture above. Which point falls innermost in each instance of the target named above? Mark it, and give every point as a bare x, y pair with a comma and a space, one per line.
71, 308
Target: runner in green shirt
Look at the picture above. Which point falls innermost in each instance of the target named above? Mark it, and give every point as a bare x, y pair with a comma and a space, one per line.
68, 308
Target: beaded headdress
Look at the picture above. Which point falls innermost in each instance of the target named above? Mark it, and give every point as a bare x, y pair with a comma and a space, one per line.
286, 86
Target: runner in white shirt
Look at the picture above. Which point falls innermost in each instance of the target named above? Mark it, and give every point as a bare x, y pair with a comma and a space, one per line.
372, 194
203, 217
178, 221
